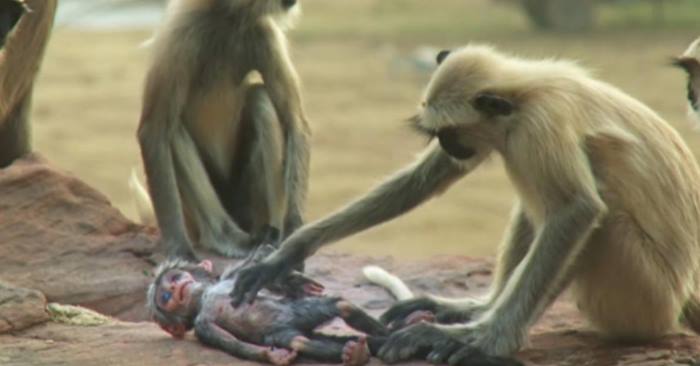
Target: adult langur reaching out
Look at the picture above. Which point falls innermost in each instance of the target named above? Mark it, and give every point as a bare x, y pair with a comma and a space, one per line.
608, 206
224, 151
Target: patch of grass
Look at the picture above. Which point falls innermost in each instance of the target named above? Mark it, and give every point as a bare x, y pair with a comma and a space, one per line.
75, 315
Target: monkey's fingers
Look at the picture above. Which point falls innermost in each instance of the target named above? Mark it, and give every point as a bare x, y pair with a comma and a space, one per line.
245, 289
311, 289
251, 280
403, 309
413, 342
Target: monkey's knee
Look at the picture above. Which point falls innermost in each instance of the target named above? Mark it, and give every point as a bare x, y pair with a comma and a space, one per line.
346, 308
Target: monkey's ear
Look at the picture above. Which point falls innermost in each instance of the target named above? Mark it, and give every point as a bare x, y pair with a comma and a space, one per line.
492, 104
177, 331
442, 55
689, 64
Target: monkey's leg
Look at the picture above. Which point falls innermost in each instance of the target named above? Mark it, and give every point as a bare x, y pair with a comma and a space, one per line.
518, 239
533, 285
216, 229
266, 162
317, 349
360, 320
296, 176
624, 287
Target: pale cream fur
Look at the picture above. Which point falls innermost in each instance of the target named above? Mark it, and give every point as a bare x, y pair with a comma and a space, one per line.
571, 133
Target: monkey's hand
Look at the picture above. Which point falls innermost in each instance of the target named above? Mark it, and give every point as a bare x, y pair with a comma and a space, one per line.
439, 345
297, 285
252, 279
280, 356
396, 317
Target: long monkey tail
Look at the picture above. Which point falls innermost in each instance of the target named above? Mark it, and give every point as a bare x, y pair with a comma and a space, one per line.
380, 277
142, 200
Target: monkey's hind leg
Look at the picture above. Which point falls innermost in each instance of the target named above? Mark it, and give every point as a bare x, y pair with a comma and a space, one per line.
638, 301
351, 351
216, 229
360, 320
264, 169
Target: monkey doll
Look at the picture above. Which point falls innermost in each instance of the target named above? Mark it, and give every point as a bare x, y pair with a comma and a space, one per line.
276, 328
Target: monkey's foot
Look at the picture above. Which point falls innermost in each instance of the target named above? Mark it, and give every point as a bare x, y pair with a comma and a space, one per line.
420, 316
417, 341
438, 346
413, 318
356, 353
397, 316
281, 356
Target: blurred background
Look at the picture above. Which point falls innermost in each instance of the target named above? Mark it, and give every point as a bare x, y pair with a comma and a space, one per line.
363, 64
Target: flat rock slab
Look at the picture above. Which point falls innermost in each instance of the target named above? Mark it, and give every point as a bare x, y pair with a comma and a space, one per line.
62, 238
561, 337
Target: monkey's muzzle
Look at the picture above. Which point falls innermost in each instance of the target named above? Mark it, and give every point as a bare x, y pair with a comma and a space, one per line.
449, 141
288, 3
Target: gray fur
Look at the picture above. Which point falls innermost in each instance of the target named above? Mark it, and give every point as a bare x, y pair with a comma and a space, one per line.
223, 152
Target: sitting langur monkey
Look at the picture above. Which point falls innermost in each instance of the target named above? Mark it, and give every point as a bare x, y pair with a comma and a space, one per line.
690, 62
608, 206
223, 151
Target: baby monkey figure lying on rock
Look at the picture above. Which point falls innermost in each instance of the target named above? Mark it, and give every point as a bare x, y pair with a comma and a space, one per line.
277, 327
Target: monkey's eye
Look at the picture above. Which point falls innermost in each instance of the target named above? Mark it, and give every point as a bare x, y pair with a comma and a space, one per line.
165, 297
176, 277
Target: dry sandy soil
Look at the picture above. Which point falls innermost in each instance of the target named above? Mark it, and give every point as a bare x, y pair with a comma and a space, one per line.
357, 95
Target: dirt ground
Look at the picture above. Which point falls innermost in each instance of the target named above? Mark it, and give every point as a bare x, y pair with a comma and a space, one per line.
359, 87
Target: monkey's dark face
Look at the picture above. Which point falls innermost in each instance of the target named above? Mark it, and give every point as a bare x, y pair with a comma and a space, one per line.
450, 139
689, 61
287, 4
10, 12
691, 66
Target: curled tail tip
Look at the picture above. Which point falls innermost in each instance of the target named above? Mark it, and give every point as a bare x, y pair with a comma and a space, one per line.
371, 271
379, 276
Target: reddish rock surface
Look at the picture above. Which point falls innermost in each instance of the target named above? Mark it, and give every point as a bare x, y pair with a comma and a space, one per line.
20, 308
64, 239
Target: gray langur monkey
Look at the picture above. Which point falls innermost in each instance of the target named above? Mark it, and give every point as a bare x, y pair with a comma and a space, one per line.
690, 62
608, 206
223, 133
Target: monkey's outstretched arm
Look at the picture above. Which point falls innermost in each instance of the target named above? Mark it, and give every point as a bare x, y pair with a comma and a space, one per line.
410, 187
214, 336
163, 101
